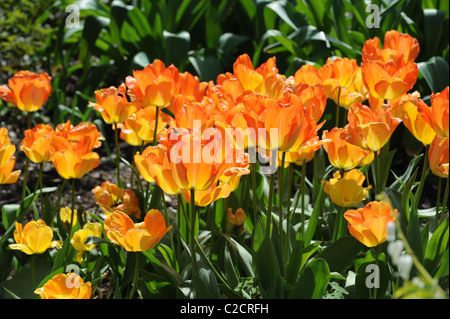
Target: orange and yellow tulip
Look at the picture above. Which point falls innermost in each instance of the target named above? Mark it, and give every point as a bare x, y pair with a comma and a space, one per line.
37, 143
368, 224
122, 231
34, 238
113, 105
368, 128
238, 218
342, 154
111, 197
78, 132
73, 159
7, 160
65, 214
142, 123
65, 286
438, 156
437, 116
27, 90
155, 85
407, 110
347, 191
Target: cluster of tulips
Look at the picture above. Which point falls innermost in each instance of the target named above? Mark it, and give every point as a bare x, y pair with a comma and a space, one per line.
196, 140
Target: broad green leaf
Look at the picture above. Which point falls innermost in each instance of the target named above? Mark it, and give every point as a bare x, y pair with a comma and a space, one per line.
176, 48
435, 72
340, 254
436, 247
371, 275
313, 281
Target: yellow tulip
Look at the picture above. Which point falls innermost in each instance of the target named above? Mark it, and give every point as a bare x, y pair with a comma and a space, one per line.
348, 190
80, 236
34, 238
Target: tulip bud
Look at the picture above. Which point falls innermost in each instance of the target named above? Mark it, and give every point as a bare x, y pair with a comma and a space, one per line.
405, 263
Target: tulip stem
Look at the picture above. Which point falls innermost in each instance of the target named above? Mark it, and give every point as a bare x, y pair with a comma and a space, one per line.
136, 276
192, 230
41, 167
423, 176
156, 125
438, 203
255, 206
444, 203
116, 138
280, 204
376, 167
302, 187
269, 204
73, 208
337, 106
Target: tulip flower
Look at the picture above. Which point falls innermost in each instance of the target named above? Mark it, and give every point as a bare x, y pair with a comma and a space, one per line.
73, 160
368, 224
347, 191
65, 286
111, 197
407, 110
65, 214
80, 237
438, 156
368, 128
34, 238
27, 90
437, 116
113, 105
78, 132
238, 218
342, 154
7, 160
155, 85
36, 144
143, 123
121, 230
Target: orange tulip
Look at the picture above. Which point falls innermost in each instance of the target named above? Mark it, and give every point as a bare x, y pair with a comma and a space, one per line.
295, 123
34, 238
437, 116
188, 114
368, 224
78, 132
390, 72
342, 154
238, 218
73, 159
65, 286
438, 156
121, 230
127, 134
407, 110
143, 123
347, 191
113, 105
368, 128
37, 143
111, 197
154, 166
7, 160
308, 74
27, 90
155, 85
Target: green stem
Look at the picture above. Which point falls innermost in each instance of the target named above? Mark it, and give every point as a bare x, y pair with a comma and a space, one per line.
192, 232
73, 209
41, 195
375, 250
288, 211
444, 203
438, 203
269, 204
302, 187
156, 125
116, 138
280, 205
166, 215
376, 167
255, 205
136, 275
423, 176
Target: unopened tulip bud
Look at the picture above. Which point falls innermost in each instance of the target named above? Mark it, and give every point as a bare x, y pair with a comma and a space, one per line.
394, 250
390, 227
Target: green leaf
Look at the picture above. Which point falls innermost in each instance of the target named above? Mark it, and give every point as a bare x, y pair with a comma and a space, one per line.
436, 73
436, 247
370, 275
316, 213
176, 48
313, 281
340, 254
207, 67
267, 269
